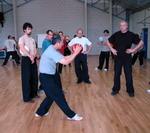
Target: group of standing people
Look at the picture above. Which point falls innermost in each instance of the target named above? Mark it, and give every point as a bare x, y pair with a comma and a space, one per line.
53, 49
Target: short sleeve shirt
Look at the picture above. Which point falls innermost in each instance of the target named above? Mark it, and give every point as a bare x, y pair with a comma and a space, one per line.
29, 42
49, 60
45, 44
10, 45
123, 41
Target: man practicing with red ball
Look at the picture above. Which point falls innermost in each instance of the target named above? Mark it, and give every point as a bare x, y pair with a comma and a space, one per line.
81, 67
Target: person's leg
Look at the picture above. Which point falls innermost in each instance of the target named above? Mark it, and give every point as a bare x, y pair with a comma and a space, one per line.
128, 74
141, 55
101, 60
6, 58
78, 70
60, 66
117, 73
54, 92
107, 60
14, 55
34, 79
85, 74
134, 58
25, 77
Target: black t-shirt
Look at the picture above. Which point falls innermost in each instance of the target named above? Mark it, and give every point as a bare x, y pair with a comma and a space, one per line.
124, 41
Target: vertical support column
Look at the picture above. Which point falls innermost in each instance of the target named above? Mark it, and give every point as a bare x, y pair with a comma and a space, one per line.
15, 18
110, 15
85, 19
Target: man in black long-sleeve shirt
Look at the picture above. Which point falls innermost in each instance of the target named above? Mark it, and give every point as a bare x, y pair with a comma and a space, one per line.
123, 40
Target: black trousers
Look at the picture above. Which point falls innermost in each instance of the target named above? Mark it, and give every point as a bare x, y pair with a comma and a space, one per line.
127, 65
29, 75
17, 56
66, 53
102, 57
53, 90
81, 67
14, 55
140, 55
60, 67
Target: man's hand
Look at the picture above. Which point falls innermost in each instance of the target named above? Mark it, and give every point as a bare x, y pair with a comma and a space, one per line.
129, 51
114, 51
32, 58
77, 49
86, 52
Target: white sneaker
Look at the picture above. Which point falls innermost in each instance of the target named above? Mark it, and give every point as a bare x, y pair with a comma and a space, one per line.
36, 115
148, 91
76, 118
96, 69
105, 69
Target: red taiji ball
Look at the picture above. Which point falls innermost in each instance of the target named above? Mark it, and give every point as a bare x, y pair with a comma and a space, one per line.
75, 45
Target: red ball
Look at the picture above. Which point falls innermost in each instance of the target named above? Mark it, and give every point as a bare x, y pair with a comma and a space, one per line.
75, 45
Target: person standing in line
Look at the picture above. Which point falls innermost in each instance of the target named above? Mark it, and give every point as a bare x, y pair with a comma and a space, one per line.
50, 79
45, 44
29, 73
81, 68
123, 40
105, 52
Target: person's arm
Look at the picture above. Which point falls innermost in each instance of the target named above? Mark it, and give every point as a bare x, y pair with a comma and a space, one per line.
114, 51
90, 48
68, 59
134, 50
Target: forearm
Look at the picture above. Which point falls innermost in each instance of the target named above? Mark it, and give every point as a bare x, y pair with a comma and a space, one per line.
90, 48
69, 59
139, 46
109, 45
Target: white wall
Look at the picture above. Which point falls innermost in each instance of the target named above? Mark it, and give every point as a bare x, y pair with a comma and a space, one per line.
64, 15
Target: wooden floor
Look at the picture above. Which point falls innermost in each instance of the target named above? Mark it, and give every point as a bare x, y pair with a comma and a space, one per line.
102, 112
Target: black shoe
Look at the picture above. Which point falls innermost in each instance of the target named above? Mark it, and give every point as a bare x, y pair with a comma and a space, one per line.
30, 101
131, 94
114, 93
88, 82
36, 96
79, 81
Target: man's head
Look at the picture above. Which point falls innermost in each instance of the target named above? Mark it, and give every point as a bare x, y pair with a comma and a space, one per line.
106, 32
61, 33
9, 37
80, 33
123, 26
49, 34
57, 42
27, 28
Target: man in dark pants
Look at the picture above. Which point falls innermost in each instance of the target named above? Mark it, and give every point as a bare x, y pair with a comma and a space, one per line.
10, 46
50, 79
29, 72
123, 40
81, 67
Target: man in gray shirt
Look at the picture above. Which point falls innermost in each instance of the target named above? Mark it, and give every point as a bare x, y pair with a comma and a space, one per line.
50, 79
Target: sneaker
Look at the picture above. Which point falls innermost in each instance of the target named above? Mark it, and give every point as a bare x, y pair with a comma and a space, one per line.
114, 93
40, 91
30, 101
64, 92
36, 115
76, 118
148, 91
142, 65
96, 69
36, 96
131, 94
19, 64
105, 69
88, 82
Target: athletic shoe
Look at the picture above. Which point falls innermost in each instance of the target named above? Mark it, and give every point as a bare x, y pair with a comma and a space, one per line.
142, 65
105, 69
40, 91
114, 93
36, 115
88, 82
96, 69
64, 92
76, 118
36, 96
148, 91
131, 94
30, 101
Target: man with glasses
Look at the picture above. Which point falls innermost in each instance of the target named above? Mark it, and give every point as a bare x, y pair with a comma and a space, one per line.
46, 43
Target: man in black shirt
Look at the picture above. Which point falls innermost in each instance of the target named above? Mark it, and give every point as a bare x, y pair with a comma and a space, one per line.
123, 40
